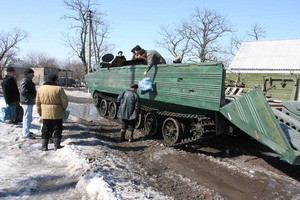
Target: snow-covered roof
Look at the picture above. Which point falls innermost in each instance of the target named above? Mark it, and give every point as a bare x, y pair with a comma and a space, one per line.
271, 56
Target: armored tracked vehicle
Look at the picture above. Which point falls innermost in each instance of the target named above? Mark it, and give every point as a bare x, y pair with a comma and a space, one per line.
189, 104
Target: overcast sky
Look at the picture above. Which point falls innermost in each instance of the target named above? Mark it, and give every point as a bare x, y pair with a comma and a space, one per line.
138, 22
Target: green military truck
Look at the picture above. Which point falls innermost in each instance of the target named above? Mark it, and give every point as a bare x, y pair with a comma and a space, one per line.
189, 104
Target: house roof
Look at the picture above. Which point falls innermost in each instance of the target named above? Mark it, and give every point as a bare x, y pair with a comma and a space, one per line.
272, 56
17, 63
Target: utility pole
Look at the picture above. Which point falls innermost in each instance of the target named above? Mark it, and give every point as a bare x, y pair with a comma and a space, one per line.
89, 16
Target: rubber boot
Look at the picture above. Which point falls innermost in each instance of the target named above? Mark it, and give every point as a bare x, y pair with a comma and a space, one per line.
130, 136
44, 144
56, 142
122, 136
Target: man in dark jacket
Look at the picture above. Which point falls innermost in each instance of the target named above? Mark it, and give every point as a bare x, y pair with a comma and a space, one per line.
28, 94
11, 93
119, 60
128, 110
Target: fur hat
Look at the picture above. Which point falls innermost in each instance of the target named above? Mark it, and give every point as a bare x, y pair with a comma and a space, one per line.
52, 78
28, 71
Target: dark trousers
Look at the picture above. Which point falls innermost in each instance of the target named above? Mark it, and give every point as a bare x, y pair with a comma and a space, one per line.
52, 127
14, 109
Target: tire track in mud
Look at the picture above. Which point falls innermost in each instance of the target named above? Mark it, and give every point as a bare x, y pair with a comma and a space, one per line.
194, 171
190, 174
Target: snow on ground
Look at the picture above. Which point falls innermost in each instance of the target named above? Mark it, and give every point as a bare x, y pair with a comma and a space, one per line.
76, 93
73, 172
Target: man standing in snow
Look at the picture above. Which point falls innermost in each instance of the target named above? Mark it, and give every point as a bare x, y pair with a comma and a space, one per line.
11, 93
51, 103
128, 110
28, 94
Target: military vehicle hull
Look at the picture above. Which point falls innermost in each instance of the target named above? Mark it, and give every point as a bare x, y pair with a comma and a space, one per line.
188, 104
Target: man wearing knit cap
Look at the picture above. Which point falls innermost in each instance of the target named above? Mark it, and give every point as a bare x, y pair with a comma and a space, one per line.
11, 94
28, 94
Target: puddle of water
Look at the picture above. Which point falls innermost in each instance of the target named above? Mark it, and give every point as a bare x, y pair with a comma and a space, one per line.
84, 111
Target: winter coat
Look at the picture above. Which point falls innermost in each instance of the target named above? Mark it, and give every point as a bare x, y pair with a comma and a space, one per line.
118, 61
10, 90
28, 92
154, 58
51, 101
129, 105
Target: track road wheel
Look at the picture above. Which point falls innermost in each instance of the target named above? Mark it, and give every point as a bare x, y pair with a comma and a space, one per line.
150, 124
172, 131
197, 129
112, 110
139, 120
103, 108
96, 99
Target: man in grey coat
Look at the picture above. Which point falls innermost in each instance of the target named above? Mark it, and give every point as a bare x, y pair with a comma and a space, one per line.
128, 110
152, 57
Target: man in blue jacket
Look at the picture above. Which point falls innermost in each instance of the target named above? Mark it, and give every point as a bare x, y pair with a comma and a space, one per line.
128, 110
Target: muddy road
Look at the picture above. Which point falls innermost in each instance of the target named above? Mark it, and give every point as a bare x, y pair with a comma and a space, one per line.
229, 167
216, 169
94, 165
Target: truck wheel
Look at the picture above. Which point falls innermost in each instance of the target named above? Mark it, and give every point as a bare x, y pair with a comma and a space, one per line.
139, 121
103, 108
150, 124
96, 99
112, 110
172, 131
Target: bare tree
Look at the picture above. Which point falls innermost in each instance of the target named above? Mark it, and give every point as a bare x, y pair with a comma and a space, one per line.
9, 56
257, 32
174, 41
9, 44
235, 44
80, 18
40, 59
100, 40
76, 67
204, 29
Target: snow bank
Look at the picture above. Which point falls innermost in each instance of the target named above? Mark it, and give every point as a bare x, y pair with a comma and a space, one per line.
96, 187
78, 93
106, 175
100, 171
